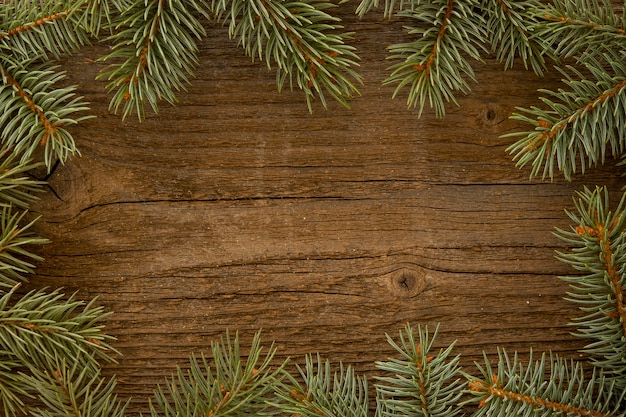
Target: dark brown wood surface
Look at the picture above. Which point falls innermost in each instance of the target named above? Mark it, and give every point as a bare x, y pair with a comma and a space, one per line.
237, 209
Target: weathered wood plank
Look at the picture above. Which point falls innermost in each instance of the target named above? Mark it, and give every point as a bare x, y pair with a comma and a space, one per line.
237, 209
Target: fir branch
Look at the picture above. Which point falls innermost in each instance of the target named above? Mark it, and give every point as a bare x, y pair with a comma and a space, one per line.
34, 113
40, 327
509, 25
599, 251
425, 383
322, 393
390, 8
234, 386
365, 6
15, 259
579, 125
302, 39
546, 388
93, 16
74, 391
16, 188
435, 65
580, 27
156, 53
33, 29
14, 387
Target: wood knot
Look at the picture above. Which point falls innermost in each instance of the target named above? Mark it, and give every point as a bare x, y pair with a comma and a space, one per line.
407, 282
491, 115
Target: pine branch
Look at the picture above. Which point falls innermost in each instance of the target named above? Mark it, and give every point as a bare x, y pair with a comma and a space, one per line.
39, 328
40, 334
34, 113
545, 388
365, 6
435, 66
16, 188
580, 28
156, 52
73, 391
301, 39
94, 16
391, 7
425, 383
15, 259
599, 251
14, 388
322, 393
509, 25
233, 386
579, 124
33, 29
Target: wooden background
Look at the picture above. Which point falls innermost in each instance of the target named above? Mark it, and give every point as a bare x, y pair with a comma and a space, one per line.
237, 209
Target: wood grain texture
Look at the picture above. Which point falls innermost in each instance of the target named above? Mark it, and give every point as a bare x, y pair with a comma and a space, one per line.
237, 209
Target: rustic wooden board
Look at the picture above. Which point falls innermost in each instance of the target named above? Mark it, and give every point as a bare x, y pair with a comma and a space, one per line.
237, 209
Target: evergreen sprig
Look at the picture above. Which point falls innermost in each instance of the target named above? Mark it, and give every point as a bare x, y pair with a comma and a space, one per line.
17, 187
74, 390
598, 240
424, 383
579, 28
41, 327
581, 125
41, 29
320, 392
15, 255
510, 27
14, 387
301, 38
234, 385
35, 112
94, 16
435, 66
546, 387
154, 53
50, 346
577, 124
